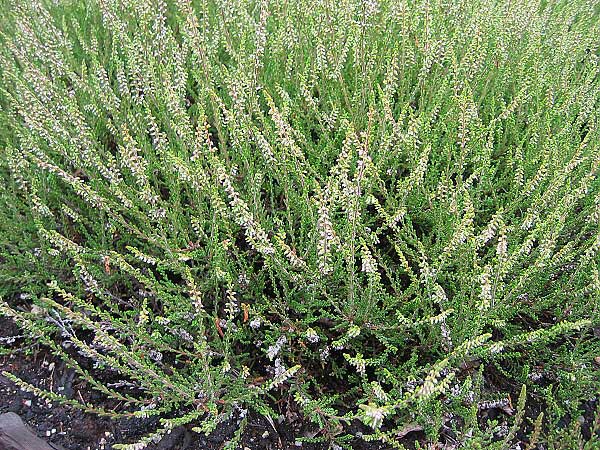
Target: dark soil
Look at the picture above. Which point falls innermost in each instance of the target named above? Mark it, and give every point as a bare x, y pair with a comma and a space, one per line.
75, 430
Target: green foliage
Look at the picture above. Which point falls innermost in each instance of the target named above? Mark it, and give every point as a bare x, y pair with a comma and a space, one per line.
349, 204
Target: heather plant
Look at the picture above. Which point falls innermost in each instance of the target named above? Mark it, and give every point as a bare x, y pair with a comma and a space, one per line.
361, 209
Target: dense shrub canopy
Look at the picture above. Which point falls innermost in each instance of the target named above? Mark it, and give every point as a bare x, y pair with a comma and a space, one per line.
363, 208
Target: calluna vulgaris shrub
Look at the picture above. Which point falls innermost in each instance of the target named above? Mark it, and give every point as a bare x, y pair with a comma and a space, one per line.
368, 210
